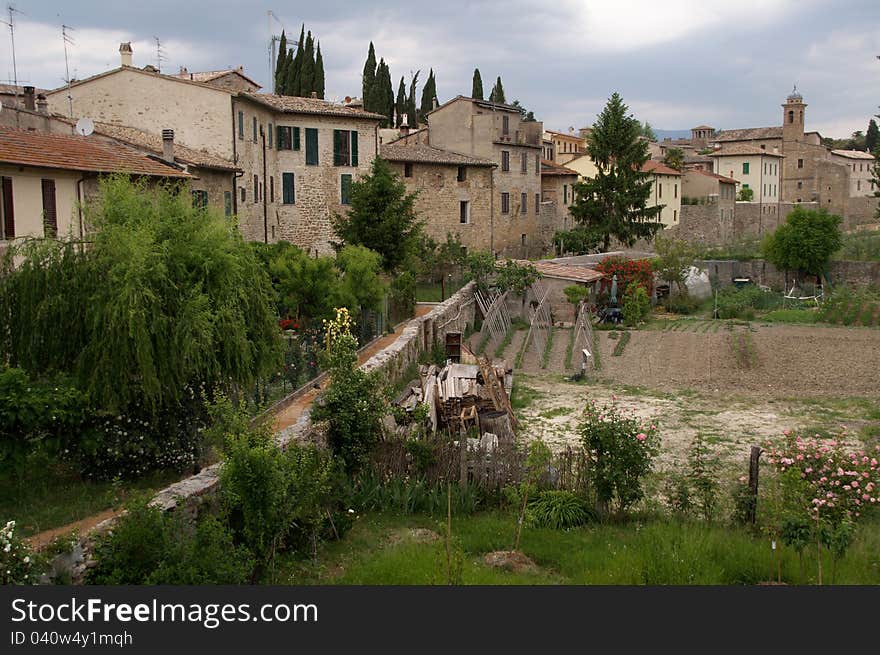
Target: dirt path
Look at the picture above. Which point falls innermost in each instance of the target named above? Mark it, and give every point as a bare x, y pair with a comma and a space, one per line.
284, 419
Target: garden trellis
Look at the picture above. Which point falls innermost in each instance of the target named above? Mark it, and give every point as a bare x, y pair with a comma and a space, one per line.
540, 321
583, 330
493, 306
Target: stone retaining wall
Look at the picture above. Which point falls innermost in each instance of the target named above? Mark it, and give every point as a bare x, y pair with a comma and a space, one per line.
722, 272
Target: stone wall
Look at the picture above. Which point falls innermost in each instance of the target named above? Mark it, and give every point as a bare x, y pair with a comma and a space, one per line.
198, 493
722, 272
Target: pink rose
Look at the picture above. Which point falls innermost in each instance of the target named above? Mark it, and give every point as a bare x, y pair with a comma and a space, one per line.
641, 436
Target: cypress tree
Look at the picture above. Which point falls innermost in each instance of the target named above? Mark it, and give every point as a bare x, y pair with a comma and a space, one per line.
411, 117
872, 136
428, 93
289, 73
477, 89
369, 79
497, 94
307, 71
400, 106
388, 90
319, 73
294, 73
280, 64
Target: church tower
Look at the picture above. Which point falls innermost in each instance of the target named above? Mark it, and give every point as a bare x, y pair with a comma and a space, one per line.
793, 117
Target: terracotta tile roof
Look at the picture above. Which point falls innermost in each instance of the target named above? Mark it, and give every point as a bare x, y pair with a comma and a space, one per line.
551, 168
658, 168
296, 105
153, 142
429, 155
749, 134
78, 153
742, 149
11, 90
853, 154
721, 178
563, 271
210, 76
481, 103
576, 137
113, 71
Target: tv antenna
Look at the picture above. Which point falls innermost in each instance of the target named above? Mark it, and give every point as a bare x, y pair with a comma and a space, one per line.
68, 40
273, 39
160, 54
84, 126
11, 24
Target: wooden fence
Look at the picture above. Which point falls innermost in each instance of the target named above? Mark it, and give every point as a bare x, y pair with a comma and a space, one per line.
439, 460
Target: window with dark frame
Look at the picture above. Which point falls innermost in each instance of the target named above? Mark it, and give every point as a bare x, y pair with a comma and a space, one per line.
256, 188
505, 203
311, 146
243, 194
464, 212
407, 169
240, 124
345, 148
537, 203
288, 189
523, 203
285, 141
505, 160
7, 206
200, 199
270, 136
255, 129
800, 163
271, 188
462, 173
345, 189
524, 166
505, 125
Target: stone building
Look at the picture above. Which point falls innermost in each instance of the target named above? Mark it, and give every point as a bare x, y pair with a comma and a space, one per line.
860, 168
45, 177
216, 114
566, 146
299, 157
454, 191
665, 191
753, 168
211, 176
231, 79
498, 133
557, 194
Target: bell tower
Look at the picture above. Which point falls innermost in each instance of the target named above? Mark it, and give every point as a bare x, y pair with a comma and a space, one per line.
793, 117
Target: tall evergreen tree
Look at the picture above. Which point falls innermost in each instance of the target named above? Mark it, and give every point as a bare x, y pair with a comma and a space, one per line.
294, 73
872, 136
429, 92
477, 89
383, 93
411, 114
497, 94
388, 89
289, 72
400, 105
369, 79
613, 204
307, 71
319, 73
280, 64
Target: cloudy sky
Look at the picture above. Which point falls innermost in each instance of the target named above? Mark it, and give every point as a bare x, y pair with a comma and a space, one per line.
677, 63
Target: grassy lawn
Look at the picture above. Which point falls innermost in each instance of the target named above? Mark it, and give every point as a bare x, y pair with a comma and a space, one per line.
385, 549
51, 496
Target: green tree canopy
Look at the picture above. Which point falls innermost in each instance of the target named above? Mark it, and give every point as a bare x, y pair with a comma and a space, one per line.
400, 104
497, 94
647, 131
674, 259
411, 111
872, 136
280, 64
477, 87
166, 298
369, 79
318, 84
674, 158
805, 242
429, 92
382, 216
614, 202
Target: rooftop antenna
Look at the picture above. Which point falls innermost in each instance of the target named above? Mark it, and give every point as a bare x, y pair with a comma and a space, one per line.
273, 39
11, 24
68, 40
160, 54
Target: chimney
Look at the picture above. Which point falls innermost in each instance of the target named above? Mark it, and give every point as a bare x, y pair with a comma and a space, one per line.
168, 145
125, 53
42, 104
434, 103
29, 98
404, 124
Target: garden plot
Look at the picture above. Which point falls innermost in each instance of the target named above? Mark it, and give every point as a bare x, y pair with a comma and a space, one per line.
771, 361
550, 409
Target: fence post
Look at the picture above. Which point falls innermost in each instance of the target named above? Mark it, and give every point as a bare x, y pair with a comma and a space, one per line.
753, 483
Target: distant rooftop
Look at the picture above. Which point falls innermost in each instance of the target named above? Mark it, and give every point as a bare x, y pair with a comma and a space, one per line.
297, 105
429, 155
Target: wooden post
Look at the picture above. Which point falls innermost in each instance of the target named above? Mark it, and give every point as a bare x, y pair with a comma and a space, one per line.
753, 483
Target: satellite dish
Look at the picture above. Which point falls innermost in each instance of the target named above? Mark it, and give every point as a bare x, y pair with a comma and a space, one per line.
84, 126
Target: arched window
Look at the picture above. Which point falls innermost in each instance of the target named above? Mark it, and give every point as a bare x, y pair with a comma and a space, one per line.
791, 116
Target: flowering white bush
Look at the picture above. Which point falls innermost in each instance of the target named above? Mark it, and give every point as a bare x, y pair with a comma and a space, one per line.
16, 558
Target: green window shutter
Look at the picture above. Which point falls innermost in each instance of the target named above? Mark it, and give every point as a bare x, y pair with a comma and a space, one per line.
311, 146
745, 168
296, 138
354, 148
278, 134
227, 202
288, 190
240, 124
337, 149
271, 137
345, 188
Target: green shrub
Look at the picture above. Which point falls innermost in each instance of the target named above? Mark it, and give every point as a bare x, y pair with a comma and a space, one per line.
682, 304
636, 304
18, 563
149, 546
576, 293
620, 450
742, 303
370, 492
559, 510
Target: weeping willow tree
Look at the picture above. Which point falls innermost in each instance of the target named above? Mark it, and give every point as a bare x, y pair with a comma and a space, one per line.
164, 303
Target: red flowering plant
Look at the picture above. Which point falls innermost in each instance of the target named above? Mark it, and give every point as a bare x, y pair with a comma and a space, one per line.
640, 271
830, 485
288, 324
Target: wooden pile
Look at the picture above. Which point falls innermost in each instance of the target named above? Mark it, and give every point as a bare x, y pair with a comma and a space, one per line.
465, 395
